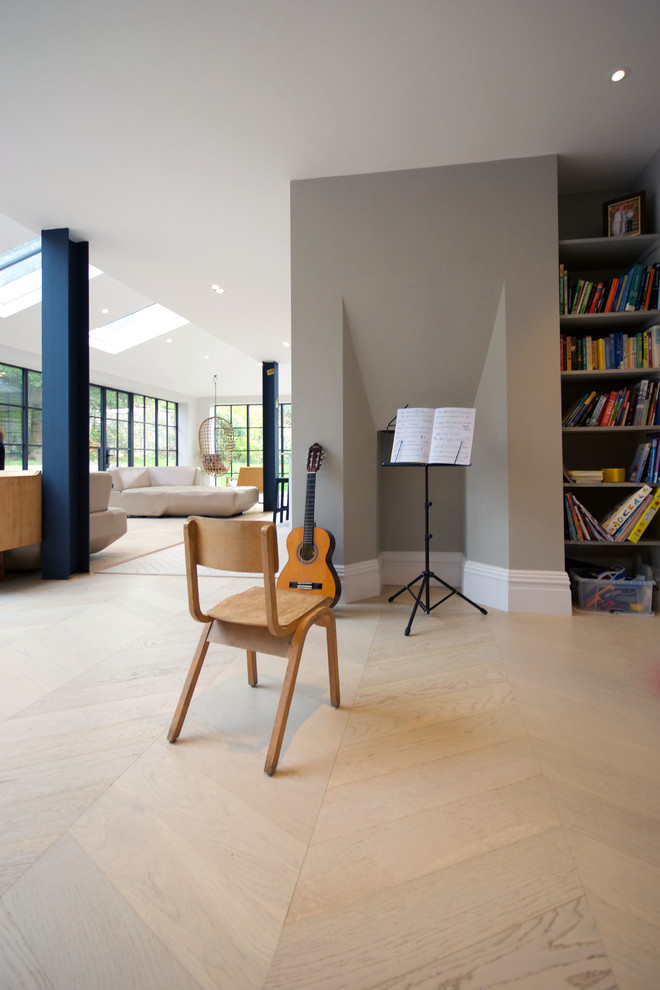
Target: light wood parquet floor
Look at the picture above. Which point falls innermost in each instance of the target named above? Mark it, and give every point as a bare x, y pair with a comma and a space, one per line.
482, 812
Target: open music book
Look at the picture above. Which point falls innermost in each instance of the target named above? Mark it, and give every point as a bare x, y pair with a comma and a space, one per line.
433, 436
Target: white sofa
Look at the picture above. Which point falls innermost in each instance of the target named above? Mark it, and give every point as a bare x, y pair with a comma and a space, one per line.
106, 524
176, 491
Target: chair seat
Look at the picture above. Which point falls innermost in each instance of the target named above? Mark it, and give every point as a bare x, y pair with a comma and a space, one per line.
249, 607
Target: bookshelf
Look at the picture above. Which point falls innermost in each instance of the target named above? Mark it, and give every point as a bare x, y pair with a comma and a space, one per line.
607, 353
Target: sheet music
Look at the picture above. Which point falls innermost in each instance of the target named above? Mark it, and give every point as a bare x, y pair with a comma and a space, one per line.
433, 436
412, 436
453, 429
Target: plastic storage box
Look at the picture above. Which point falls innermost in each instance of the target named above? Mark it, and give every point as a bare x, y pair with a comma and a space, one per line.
601, 595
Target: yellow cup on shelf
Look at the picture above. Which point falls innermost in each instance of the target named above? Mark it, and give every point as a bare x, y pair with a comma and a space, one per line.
612, 475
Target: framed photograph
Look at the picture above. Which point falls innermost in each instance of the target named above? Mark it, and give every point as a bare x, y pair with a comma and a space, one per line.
624, 217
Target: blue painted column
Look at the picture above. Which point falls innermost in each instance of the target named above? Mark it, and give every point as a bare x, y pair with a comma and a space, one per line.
270, 393
65, 404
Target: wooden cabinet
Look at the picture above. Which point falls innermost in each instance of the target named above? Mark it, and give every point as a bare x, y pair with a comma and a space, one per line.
20, 510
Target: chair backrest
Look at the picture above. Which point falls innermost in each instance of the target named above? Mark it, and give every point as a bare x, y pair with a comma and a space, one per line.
230, 545
251, 476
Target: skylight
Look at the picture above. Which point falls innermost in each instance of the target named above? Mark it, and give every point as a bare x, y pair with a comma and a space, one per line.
135, 329
20, 277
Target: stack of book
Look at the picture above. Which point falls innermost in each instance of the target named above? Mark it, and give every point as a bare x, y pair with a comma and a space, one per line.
634, 406
611, 352
638, 289
627, 521
584, 477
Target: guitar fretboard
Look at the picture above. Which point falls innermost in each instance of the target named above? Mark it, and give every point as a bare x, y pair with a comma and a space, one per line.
308, 523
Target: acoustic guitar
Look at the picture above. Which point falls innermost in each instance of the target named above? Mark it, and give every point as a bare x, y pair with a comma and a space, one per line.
310, 549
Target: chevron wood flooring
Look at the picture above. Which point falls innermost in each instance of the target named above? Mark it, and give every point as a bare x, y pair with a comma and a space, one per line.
482, 812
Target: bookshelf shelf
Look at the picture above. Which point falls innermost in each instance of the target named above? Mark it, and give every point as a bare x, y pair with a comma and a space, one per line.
606, 252
609, 429
602, 545
608, 339
604, 322
600, 485
602, 374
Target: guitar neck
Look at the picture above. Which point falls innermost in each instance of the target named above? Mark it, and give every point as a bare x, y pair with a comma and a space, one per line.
308, 523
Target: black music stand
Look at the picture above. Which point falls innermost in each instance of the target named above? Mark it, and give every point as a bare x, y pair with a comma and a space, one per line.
423, 596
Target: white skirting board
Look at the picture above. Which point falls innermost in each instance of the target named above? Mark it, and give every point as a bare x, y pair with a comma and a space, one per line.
359, 581
539, 592
395, 568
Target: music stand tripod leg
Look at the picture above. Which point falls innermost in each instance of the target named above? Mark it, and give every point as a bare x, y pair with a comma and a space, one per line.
427, 573
455, 591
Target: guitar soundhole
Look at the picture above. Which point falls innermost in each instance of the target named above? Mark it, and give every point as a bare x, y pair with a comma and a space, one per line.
307, 553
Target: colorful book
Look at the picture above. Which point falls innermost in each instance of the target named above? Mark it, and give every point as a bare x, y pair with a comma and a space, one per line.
654, 348
652, 466
598, 408
653, 300
622, 293
620, 513
646, 517
623, 532
634, 288
614, 287
640, 402
636, 472
606, 415
576, 410
582, 524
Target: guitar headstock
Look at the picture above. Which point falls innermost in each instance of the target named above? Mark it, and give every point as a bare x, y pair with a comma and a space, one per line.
315, 456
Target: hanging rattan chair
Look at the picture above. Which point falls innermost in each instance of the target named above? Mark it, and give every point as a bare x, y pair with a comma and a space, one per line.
216, 445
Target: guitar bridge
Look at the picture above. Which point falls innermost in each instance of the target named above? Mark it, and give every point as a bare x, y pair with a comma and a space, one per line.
306, 585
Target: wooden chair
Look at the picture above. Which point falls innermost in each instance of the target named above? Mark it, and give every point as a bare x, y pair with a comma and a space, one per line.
263, 619
251, 476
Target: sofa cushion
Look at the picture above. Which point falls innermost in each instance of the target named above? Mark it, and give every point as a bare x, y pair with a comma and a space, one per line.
186, 500
134, 477
174, 474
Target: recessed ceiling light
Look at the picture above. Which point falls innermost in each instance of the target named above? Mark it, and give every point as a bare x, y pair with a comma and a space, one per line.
285, 343
217, 288
619, 74
105, 310
169, 340
206, 357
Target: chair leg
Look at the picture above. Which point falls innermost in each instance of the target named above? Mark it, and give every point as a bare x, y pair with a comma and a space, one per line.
294, 654
189, 686
333, 667
252, 668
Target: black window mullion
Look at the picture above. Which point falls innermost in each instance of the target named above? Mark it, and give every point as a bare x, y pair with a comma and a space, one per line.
24, 418
131, 421
104, 450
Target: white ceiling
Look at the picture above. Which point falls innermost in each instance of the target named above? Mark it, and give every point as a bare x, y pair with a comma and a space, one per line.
167, 134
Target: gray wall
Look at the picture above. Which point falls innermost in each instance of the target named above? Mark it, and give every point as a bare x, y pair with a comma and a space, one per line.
360, 441
649, 181
398, 296
488, 477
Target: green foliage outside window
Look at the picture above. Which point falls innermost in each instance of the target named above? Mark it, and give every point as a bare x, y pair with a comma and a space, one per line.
248, 423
